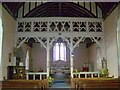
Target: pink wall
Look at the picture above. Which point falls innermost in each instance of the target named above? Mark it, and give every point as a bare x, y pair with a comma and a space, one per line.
80, 56
38, 57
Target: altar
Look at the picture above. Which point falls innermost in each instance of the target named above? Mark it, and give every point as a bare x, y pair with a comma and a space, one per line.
59, 67
60, 71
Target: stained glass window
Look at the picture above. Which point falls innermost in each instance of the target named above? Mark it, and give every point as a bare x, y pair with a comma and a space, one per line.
59, 52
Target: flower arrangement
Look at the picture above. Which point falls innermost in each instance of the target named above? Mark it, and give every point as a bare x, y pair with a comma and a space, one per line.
75, 71
104, 72
51, 80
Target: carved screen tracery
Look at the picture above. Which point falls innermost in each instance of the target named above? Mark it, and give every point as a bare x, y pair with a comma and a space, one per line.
62, 25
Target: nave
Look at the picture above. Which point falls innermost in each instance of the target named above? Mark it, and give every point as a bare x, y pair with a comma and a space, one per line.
75, 83
61, 81
77, 42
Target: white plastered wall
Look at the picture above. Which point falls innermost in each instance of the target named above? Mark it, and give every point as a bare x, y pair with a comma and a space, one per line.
1, 36
110, 28
118, 28
9, 26
118, 39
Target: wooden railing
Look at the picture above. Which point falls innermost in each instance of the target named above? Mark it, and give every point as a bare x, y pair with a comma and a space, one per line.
36, 75
86, 74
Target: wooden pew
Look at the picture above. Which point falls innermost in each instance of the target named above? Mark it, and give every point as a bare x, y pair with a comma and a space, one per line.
94, 83
96, 86
45, 83
25, 84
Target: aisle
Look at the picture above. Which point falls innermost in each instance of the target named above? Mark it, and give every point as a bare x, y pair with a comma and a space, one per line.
61, 81
61, 85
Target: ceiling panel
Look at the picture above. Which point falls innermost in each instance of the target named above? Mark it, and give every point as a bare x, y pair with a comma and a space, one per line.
63, 9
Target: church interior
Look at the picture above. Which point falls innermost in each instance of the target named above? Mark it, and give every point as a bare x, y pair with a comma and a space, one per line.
47, 44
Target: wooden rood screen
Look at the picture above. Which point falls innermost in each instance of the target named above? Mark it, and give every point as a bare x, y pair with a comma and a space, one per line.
47, 30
